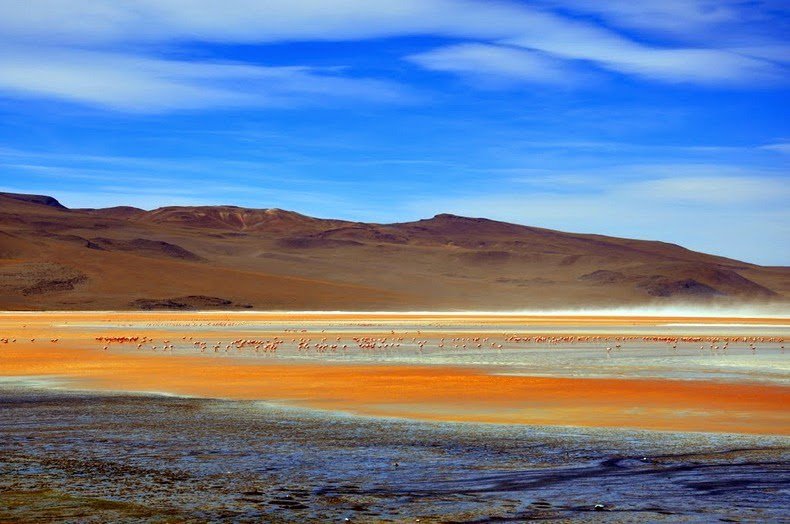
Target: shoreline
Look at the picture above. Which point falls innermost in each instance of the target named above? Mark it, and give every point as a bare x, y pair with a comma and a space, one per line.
216, 460
476, 317
59, 387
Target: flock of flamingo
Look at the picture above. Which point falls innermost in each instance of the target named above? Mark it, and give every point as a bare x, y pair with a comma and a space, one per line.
330, 344
322, 343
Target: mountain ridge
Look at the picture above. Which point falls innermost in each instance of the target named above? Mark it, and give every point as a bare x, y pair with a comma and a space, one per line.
125, 257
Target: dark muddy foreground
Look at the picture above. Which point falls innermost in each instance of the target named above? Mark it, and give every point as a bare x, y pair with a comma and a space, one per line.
89, 458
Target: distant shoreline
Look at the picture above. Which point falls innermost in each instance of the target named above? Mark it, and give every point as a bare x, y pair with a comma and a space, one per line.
478, 317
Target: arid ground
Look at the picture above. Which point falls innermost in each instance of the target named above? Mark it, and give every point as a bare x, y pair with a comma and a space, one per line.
226, 257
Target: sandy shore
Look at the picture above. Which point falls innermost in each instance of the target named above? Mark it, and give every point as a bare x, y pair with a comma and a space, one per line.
437, 392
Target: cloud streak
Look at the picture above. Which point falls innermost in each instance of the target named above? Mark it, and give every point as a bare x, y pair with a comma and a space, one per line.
497, 65
709, 67
91, 22
100, 53
672, 16
779, 147
142, 84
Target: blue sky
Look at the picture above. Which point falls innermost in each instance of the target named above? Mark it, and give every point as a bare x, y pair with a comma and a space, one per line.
665, 120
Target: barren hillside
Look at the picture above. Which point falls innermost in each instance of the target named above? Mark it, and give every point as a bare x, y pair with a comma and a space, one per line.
52, 257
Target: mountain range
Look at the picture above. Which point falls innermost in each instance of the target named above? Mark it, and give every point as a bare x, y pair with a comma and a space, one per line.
228, 257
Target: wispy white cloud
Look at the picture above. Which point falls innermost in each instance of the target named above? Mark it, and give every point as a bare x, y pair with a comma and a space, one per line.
778, 53
612, 173
779, 147
495, 65
148, 170
711, 190
670, 64
44, 47
565, 45
138, 83
255, 21
615, 146
675, 16
258, 21
555, 61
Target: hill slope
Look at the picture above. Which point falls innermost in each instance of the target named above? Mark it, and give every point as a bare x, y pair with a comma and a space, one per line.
52, 257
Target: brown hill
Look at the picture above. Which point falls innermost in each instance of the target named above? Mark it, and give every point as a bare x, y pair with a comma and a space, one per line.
52, 257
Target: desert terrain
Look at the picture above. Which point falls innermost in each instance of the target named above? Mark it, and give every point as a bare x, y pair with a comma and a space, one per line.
226, 257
